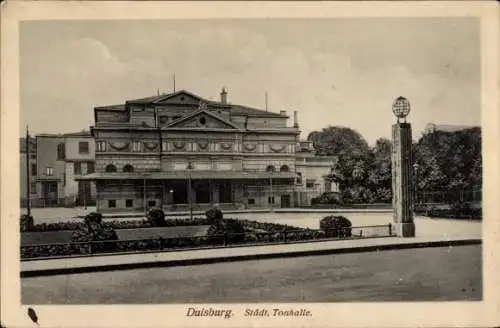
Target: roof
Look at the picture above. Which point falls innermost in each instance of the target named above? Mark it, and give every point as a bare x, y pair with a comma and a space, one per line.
119, 107
184, 175
156, 98
78, 134
249, 111
449, 127
235, 109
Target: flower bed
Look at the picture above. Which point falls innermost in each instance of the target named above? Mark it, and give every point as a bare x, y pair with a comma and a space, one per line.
252, 232
115, 224
176, 222
157, 244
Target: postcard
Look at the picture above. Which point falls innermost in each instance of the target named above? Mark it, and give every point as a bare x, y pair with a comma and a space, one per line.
249, 164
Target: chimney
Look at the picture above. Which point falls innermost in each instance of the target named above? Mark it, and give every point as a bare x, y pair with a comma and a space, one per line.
223, 96
295, 119
283, 112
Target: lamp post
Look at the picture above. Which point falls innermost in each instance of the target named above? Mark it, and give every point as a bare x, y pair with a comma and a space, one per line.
271, 198
144, 195
403, 190
189, 168
28, 182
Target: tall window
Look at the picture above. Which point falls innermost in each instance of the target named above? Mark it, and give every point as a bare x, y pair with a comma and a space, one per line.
33, 187
83, 147
101, 145
299, 178
136, 146
33, 170
110, 168
61, 152
77, 168
90, 167
49, 170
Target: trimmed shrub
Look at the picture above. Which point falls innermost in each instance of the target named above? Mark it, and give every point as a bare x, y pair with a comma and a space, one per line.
26, 222
156, 217
94, 231
233, 231
336, 226
214, 214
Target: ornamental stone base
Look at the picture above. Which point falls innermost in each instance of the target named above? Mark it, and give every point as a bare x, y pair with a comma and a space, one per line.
405, 229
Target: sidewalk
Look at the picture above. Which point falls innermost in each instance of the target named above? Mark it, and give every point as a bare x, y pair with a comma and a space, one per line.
33, 268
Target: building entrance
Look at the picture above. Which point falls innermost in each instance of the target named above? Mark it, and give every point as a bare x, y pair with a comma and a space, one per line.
225, 192
202, 191
285, 201
49, 192
179, 193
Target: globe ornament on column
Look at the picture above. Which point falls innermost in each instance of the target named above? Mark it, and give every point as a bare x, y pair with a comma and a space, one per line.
401, 108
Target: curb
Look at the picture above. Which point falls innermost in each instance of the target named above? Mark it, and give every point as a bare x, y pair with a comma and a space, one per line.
248, 257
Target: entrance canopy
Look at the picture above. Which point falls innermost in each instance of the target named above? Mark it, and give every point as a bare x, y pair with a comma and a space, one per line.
184, 175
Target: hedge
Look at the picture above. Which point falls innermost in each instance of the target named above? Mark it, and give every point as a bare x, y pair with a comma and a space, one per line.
455, 213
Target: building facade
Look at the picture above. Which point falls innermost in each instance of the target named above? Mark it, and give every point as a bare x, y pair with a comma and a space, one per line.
28, 175
55, 161
79, 160
180, 150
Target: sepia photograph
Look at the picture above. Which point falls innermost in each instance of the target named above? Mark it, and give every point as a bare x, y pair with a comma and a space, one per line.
277, 162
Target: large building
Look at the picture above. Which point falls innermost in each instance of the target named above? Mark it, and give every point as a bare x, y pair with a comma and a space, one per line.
56, 160
179, 149
431, 127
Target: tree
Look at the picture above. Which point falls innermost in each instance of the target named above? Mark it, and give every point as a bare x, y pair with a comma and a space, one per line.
449, 162
380, 174
352, 151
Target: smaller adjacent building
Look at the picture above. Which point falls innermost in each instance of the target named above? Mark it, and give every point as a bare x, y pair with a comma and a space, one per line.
28, 163
79, 161
56, 160
313, 172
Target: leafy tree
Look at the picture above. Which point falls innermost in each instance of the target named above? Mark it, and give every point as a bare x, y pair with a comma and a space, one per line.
449, 162
352, 151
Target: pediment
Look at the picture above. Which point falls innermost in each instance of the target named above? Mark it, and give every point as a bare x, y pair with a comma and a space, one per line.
202, 120
180, 97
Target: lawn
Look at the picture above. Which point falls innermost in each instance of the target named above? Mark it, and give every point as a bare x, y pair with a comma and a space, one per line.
428, 274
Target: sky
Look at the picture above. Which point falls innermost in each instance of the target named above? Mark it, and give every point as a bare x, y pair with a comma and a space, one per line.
334, 72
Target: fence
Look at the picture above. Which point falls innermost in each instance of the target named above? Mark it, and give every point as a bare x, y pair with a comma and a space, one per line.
39, 202
90, 248
448, 197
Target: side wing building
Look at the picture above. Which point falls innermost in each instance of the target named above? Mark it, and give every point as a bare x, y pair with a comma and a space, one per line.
175, 149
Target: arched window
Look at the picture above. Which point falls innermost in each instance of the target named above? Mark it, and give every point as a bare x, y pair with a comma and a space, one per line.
128, 168
110, 168
284, 168
270, 168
